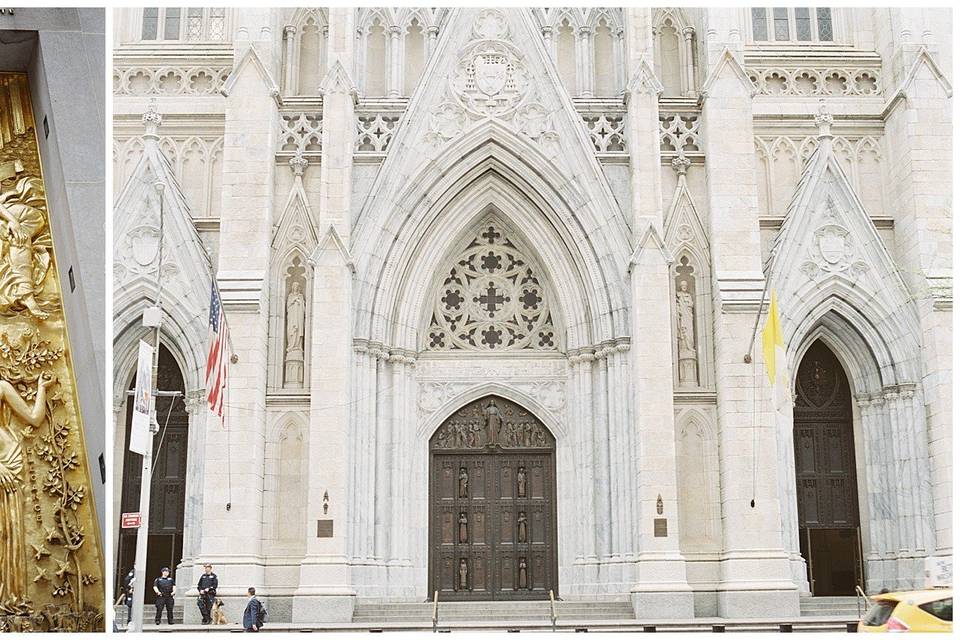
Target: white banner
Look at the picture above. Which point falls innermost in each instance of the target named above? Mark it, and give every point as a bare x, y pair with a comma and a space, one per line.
140, 427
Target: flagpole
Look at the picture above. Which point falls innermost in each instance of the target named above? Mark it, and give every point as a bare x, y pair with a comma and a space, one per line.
146, 473
748, 356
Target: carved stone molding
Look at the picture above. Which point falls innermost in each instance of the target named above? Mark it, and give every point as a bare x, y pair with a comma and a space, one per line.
815, 81
169, 80
833, 249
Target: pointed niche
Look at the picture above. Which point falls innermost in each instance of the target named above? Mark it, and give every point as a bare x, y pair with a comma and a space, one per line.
690, 279
490, 295
294, 239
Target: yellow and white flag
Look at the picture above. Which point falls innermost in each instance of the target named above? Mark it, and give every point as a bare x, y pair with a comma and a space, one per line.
775, 356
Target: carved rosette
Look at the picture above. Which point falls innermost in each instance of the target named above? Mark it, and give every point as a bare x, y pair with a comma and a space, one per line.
50, 564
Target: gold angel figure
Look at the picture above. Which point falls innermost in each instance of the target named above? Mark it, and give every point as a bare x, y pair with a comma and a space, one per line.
25, 246
13, 575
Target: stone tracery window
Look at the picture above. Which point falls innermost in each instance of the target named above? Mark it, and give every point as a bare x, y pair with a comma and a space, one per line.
792, 24
175, 23
493, 297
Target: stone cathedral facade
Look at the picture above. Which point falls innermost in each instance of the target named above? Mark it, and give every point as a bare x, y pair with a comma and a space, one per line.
491, 276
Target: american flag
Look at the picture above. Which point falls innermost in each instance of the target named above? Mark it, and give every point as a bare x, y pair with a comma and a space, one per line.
217, 358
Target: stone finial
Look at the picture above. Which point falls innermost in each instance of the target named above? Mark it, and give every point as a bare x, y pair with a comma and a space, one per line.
151, 121
299, 164
824, 120
680, 164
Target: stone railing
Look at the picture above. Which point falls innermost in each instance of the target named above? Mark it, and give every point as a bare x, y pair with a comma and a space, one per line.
605, 120
814, 72
301, 133
377, 121
171, 69
680, 132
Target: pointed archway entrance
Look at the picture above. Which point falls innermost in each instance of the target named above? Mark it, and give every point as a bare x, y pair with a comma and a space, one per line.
493, 504
827, 499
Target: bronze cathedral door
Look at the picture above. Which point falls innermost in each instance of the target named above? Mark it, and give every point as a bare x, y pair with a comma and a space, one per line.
827, 502
492, 505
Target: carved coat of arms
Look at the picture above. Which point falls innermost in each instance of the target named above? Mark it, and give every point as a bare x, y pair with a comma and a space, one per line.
490, 73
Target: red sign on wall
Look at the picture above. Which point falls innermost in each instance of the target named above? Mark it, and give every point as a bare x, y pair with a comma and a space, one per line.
130, 521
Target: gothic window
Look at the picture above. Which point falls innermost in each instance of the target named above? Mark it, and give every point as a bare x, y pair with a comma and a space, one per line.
311, 59
604, 68
376, 60
567, 56
492, 297
792, 24
413, 52
175, 23
674, 47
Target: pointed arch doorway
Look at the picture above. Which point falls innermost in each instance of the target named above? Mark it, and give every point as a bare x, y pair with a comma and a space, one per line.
492, 504
169, 481
827, 497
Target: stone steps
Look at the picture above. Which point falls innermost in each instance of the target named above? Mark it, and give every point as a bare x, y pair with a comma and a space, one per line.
832, 606
506, 612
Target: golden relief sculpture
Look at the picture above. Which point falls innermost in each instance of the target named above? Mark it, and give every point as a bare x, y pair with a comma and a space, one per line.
51, 566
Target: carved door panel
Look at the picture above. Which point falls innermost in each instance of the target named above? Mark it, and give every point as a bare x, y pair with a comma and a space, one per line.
492, 505
825, 462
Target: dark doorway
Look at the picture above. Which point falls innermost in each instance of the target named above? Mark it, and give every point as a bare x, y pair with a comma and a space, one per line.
827, 500
168, 490
492, 505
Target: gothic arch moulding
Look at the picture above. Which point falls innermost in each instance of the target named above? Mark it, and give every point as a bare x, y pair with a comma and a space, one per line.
490, 167
286, 471
674, 40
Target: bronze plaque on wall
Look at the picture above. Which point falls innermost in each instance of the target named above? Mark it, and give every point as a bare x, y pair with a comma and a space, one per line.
324, 528
659, 527
51, 568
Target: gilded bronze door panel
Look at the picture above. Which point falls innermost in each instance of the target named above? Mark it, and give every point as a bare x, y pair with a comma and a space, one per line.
492, 505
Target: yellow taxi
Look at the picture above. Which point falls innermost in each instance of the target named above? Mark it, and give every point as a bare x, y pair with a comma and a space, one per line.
910, 611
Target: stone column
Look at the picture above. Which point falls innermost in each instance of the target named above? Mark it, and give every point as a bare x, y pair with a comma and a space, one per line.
584, 66
917, 130
619, 78
688, 34
754, 568
871, 446
289, 75
232, 528
432, 32
326, 592
548, 42
395, 67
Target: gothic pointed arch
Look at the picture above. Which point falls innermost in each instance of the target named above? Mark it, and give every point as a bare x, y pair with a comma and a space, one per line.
690, 289
837, 283
511, 145
697, 482
307, 51
294, 241
674, 54
286, 471
491, 294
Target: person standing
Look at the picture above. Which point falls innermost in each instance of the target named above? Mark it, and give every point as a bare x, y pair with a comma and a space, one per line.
255, 613
128, 593
165, 588
207, 588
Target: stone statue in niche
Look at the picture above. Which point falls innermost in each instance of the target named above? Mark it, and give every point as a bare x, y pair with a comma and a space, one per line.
686, 329
464, 484
463, 575
523, 573
295, 319
521, 483
464, 535
522, 527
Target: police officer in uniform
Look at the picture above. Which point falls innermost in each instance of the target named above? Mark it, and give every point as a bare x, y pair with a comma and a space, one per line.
165, 588
207, 588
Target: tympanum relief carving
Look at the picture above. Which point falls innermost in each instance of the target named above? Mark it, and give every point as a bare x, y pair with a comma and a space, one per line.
50, 564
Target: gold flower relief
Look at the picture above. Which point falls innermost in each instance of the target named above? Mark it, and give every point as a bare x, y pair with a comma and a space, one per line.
50, 560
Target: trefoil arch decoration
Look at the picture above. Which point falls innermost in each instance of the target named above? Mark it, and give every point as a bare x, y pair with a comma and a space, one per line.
492, 296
